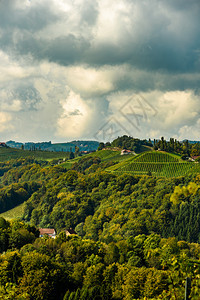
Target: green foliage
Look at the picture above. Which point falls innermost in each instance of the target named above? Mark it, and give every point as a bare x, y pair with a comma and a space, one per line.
101, 146
14, 234
128, 142
137, 235
185, 148
75, 268
105, 206
85, 163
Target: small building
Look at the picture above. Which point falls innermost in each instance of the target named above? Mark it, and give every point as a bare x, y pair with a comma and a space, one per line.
84, 152
70, 231
47, 231
195, 157
125, 152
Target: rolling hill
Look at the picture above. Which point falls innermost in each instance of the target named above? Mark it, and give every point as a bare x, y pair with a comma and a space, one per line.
107, 155
155, 163
11, 153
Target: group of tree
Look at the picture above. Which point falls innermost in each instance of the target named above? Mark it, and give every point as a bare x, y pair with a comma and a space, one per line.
127, 142
184, 148
73, 268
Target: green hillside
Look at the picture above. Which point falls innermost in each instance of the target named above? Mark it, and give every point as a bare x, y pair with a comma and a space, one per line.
16, 212
156, 163
155, 157
11, 153
104, 155
137, 236
107, 155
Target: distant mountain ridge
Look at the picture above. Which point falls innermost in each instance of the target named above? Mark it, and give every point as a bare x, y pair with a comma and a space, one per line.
49, 146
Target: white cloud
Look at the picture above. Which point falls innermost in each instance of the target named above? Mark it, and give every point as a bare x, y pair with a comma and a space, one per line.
178, 108
190, 132
76, 115
10, 69
15, 106
5, 119
156, 113
90, 81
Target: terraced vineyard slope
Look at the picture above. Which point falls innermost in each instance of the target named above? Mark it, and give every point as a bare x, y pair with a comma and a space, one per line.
156, 163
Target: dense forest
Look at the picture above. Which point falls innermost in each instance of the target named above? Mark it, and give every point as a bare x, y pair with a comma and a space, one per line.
137, 236
139, 267
127, 142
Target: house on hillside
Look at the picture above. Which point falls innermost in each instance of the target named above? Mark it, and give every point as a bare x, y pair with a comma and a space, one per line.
47, 231
70, 231
193, 158
125, 152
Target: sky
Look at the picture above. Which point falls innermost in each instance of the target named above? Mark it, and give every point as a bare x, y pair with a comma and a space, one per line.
98, 69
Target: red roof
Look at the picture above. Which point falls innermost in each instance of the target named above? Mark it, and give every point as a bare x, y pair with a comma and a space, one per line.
125, 150
195, 157
47, 231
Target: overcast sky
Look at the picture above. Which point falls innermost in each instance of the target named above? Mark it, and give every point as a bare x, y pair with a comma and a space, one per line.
96, 69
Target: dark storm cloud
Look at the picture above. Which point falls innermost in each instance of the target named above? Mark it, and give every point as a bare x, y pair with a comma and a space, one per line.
167, 38
160, 80
55, 53
89, 12
19, 27
69, 51
64, 50
17, 15
161, 36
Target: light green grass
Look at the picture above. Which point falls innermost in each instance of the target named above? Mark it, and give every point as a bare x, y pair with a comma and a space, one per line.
67, 165
110, 155
104, 155
16, 212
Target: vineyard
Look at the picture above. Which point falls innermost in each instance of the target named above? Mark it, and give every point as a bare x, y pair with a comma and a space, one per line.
11, 153
106, 154
156, 163
155, 157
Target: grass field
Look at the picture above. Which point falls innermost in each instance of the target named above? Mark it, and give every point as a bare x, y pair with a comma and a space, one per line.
69, 163
104, 155
16, 212
11, 153
156, 163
